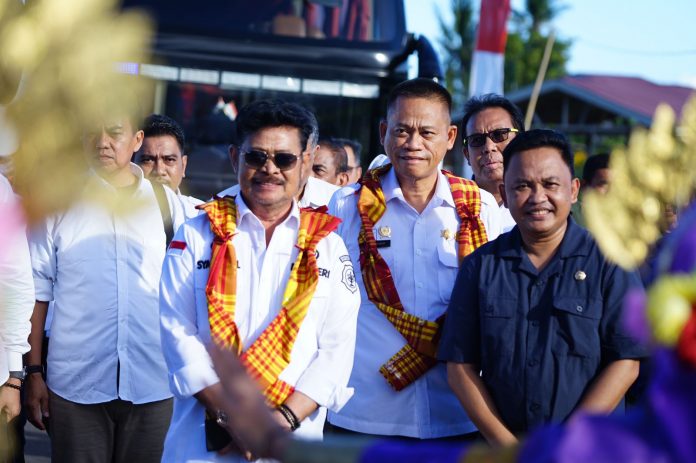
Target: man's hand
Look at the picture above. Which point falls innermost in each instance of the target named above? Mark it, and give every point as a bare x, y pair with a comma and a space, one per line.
9, 399
250, 421
465, 382
36, 400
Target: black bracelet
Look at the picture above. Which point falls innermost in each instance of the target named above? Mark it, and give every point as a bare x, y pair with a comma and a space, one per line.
13, 386
289, 416
31, 369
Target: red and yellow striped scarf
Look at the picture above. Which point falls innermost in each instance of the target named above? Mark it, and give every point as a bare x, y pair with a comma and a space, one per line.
269, 355
421, 335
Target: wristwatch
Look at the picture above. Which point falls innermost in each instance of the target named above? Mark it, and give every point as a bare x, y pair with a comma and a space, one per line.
19, 374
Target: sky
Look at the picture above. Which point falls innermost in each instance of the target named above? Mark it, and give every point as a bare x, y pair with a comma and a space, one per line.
655, 40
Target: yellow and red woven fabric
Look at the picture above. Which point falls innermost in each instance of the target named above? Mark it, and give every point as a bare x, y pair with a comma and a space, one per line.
418, 355
269, 355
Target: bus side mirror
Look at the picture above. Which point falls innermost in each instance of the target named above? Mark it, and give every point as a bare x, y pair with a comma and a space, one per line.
428, 62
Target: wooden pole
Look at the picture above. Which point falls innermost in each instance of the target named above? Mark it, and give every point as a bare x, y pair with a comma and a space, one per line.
539, 80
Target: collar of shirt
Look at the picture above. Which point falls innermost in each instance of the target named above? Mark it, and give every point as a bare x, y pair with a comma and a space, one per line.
244, 214
99, 181
576, 242
317, 193
392, 189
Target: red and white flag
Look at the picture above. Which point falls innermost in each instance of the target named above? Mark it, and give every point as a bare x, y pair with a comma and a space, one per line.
488, 62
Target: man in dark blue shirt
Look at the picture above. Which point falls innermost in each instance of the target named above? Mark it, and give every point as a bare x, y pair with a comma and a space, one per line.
533, 331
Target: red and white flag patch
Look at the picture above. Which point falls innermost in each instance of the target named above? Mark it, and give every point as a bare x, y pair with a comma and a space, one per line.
176, 248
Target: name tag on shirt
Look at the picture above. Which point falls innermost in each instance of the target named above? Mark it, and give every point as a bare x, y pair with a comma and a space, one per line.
383, 243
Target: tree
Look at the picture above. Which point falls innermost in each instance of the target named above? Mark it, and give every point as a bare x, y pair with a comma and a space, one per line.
526, 40
528, 32
458, 43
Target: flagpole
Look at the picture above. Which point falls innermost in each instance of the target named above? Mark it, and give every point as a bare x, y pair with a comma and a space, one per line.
539, 80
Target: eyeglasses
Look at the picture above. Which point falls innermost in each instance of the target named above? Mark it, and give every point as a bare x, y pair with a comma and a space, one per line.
476, 140
256, 159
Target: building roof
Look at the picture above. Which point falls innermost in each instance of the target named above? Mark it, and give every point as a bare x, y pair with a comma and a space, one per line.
630, 97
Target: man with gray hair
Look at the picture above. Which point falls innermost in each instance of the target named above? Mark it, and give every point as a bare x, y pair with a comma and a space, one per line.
490, 122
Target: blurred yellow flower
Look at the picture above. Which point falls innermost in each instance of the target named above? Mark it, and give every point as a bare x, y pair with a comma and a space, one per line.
66, 52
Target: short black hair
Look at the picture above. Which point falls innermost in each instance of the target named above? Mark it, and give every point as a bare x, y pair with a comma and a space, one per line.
157, 125
355, 146
593, 164
335, 146
263, 114
539, 138
491, 100
420, 88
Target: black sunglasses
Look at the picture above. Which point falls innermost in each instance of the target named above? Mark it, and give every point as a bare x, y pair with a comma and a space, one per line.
476, 140
256, 159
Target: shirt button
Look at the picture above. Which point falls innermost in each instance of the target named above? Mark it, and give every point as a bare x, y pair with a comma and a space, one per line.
534, 407
534, 323
420, 285
532, 363
418, 252
579, 308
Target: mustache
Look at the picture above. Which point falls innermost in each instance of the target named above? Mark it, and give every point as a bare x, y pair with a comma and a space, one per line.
257, 179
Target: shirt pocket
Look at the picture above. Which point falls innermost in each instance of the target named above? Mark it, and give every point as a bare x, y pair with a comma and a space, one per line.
448, 265
497, 330
575, 327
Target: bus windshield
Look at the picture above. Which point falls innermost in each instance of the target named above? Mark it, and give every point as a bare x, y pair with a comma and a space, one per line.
341, 20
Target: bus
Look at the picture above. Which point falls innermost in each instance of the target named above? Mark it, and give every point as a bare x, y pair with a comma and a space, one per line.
339, 58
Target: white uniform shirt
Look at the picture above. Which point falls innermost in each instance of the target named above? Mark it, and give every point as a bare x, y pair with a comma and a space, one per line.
189, 203
16, 285
424, 267
322, 355
508, 223
102, 270
317, 193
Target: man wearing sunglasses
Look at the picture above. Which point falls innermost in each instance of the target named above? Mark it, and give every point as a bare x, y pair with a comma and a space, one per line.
490, 122
408, 224
313, 192
259, 276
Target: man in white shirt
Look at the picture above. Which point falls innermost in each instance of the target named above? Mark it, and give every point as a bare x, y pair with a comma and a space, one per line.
258, 276
430, 219
107, 397
16, 303
163, 159
490, 122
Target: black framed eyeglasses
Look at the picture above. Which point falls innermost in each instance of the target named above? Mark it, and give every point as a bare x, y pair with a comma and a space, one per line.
476, 140
256, 159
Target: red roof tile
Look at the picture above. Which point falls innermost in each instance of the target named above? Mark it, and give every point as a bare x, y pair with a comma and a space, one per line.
632, 93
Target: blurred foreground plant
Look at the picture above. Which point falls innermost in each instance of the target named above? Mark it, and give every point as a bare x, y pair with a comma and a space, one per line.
657, 168
66, 53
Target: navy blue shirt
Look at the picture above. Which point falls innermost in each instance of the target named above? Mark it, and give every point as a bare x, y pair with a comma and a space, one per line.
539, 337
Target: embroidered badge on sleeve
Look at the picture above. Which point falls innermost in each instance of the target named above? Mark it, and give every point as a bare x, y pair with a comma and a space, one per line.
176, 248
348, 275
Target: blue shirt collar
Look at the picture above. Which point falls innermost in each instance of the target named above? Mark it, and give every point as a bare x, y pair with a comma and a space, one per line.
576, 242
